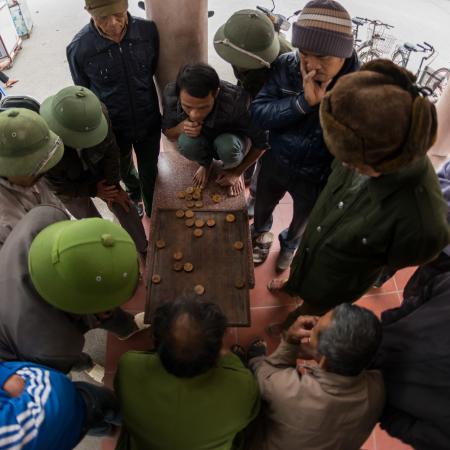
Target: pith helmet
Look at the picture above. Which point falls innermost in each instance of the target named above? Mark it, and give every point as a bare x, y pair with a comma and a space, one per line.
27, 146
84, 266
247, 40
75, 114
101, 8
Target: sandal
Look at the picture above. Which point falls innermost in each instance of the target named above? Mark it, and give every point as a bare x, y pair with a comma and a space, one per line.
257, 348
276, 284
239, 351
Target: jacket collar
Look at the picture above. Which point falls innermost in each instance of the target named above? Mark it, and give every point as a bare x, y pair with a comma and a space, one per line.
332, 383
104, 42
385, 185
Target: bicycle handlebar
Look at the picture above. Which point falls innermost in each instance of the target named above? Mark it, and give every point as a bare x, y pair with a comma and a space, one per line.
264, 10
428, 45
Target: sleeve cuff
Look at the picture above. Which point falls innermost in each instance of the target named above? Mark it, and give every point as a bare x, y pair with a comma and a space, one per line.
5, 373
302, 105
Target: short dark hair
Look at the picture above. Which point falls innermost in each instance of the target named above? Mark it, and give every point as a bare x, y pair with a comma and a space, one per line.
199, 80
350, 342
202, 329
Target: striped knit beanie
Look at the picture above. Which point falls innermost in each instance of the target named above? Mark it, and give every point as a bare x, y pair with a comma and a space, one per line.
324, 27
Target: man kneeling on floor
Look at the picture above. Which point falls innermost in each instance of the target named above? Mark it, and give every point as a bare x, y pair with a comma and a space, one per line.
189, 393
333, 404
209, 119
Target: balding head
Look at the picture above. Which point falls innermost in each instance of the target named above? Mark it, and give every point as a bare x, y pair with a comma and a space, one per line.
188, 336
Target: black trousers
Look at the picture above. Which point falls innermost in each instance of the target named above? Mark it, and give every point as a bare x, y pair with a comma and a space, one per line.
140, 186
273, 183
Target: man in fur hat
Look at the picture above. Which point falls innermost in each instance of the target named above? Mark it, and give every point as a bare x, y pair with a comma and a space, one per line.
382, 205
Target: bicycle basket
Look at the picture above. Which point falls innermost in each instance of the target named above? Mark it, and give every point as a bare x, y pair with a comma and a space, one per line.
385, 45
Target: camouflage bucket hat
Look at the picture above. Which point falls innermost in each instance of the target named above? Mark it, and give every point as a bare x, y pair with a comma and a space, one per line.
84, 266
247, 40
76, 115
102, 8
27, 146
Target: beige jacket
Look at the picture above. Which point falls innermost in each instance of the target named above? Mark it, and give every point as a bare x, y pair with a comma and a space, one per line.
318, 410
16, 201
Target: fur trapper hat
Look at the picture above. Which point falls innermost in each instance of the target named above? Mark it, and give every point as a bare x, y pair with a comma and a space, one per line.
378, 117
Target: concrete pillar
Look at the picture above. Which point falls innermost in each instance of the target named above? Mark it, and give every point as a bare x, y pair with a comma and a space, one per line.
442, 146
183, 33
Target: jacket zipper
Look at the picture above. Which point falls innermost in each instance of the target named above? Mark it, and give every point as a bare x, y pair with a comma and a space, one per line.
130, 97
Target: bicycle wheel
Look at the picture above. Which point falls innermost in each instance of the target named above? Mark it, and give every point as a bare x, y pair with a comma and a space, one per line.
399, 58
366, 56
437, 82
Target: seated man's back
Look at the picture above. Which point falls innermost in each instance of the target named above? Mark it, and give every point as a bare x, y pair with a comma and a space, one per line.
185, 395
332, 404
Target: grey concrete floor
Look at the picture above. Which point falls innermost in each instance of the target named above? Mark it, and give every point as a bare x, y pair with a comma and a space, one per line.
42, 67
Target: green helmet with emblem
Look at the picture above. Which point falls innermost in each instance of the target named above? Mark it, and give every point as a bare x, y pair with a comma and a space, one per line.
75, 114
84, 266
247, 40
28, 147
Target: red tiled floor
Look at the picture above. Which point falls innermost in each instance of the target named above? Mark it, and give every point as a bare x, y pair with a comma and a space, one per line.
402, 277
267, 308
379, 302
385, 442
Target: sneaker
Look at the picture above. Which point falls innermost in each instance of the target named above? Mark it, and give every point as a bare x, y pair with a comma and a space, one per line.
96, 373
284, 259
140, 326
251, 206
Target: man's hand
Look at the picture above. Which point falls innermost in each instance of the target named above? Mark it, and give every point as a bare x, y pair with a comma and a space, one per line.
123, 200
300, 331
192, 129
14, 386
314, 91
106, 192
201, 177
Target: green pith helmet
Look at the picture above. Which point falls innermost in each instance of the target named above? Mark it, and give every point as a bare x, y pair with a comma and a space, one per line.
84, 266
75, 114
247, 40
102, 8
27, 146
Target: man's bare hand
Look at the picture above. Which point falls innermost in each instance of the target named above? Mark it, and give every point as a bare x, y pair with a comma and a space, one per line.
106, 192
14, 385
123, 200
314, 91
300, 331
201, 177
192, 129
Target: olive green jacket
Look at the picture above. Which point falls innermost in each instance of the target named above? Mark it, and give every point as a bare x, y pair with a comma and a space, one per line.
396, 220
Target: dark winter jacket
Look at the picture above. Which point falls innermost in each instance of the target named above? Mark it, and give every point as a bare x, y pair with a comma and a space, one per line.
30, 328
121, 75
415, 359
295, 134
229, 115
395, 220
70, 178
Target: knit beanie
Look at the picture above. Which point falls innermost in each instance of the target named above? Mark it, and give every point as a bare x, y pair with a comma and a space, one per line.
378, 117
324, 27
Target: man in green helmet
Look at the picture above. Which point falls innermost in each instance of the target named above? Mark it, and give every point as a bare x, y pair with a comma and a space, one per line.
60, 278
249, 42
28, 149
90, 166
